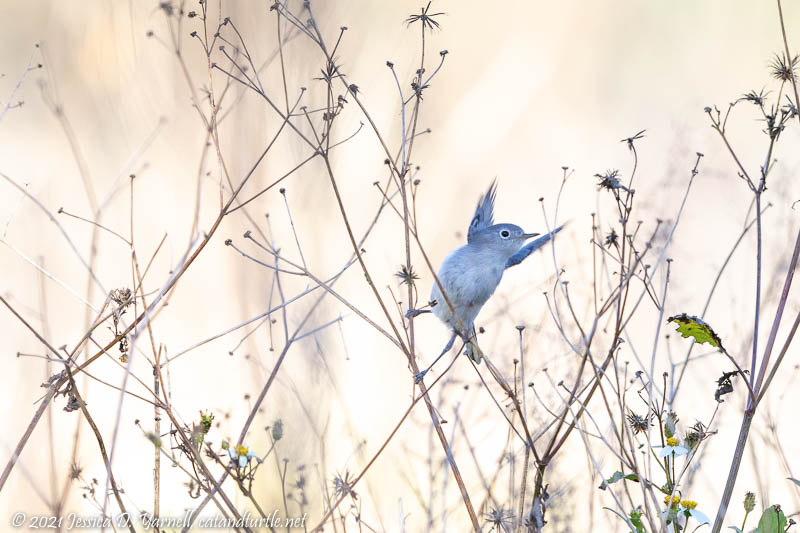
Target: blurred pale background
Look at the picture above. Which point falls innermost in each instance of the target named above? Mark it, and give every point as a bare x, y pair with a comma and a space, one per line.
527, 88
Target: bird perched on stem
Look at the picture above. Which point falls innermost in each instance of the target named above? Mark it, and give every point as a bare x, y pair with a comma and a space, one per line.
471, 273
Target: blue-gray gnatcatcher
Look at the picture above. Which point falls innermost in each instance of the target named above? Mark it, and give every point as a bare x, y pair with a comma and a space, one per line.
471, 273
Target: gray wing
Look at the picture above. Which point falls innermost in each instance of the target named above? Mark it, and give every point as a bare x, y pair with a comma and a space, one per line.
531, 247
484, 213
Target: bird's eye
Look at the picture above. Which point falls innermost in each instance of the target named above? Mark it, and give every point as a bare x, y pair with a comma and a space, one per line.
504, 234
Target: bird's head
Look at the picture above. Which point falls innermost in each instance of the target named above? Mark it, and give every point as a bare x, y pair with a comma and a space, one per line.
503, 239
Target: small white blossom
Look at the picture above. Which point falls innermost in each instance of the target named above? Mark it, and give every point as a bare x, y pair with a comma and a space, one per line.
242, 455
673, 448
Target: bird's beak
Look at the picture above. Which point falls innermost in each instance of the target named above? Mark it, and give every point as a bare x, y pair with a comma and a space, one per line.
528, 235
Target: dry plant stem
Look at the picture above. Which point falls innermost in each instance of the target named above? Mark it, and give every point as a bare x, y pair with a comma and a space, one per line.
49, 275
26, 435
55, 386
156, 450
524, 485
757, 318
10, 104
145, 314
412, 358
412, 362
197, 459
620, 300
377, 454
785, 348
328, 287
100, 443
282, 306
46, 403
51, 391
68, 482
722, 269
55, 507
357, 251
156, 381
752, 404
259, 400
63, 211
54, 221
734, 470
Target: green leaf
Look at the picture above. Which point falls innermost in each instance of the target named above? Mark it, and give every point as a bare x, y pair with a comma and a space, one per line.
772, 520
616, 477
691, 326
636, 520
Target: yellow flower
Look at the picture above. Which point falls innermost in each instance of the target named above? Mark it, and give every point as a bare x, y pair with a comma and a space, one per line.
689, 509
672, 441
672, 502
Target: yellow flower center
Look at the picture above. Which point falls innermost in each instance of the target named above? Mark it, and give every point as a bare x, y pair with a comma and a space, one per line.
689, 504
241, 450
672, 441
671, 501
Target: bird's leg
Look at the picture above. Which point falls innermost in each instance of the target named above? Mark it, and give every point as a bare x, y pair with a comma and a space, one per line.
416, 312
411, 313
418, 377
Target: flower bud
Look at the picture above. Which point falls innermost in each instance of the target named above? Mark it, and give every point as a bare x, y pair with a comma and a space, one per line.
277, 430
670, 422
749, 501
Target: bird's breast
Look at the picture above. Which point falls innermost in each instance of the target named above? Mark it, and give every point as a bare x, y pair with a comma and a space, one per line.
469, 278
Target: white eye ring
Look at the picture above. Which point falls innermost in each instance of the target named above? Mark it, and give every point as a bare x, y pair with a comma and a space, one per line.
504, 234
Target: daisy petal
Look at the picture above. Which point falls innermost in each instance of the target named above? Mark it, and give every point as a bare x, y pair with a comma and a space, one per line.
679, 450
700, 517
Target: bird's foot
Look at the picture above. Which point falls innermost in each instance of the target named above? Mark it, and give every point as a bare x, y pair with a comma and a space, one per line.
411, 313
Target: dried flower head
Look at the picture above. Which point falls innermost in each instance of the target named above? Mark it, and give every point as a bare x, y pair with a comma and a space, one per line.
121, 297
783, 69
757, 98
612, 239
638, 423
75, 471
696, 434
724, 385
500, 519
630, 140
407, 275
610, 180
425, 18
343, 485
